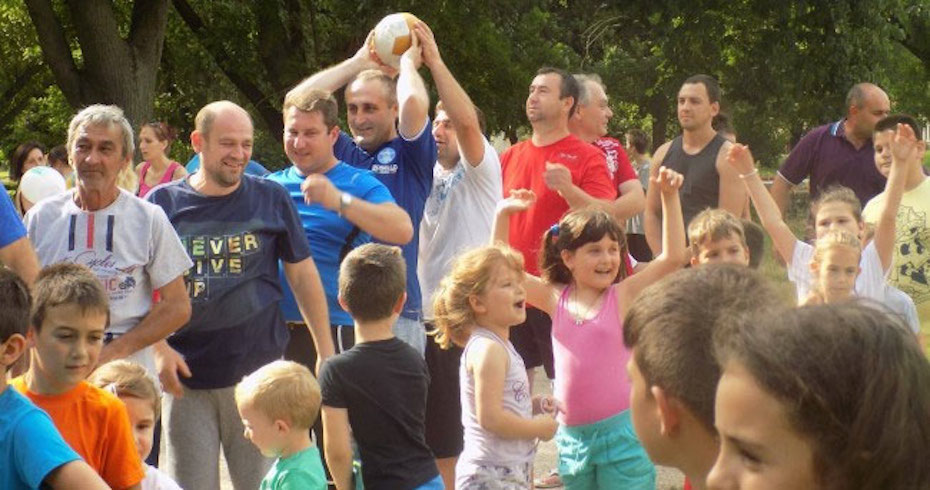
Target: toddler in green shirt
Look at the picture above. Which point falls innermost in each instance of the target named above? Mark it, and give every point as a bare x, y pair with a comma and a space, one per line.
278, 404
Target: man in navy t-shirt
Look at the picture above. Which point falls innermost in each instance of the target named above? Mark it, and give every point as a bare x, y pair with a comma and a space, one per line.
389, 122
235, 228
340, 207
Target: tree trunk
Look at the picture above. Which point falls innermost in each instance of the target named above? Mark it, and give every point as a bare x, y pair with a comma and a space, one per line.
114, 70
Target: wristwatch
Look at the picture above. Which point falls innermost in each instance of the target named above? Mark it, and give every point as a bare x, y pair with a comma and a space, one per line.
345, 200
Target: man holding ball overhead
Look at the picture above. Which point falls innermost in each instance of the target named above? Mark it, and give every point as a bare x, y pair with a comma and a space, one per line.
390, 127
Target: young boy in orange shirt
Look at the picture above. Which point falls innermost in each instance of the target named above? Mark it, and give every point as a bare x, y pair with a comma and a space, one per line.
68, 319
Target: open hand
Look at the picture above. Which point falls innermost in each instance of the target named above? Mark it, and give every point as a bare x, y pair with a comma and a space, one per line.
519, 200
740, 158
413, 53
904, 145
668, 180
428, 47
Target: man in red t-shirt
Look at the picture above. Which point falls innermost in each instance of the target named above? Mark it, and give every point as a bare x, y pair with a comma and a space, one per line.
589, 123
565, 173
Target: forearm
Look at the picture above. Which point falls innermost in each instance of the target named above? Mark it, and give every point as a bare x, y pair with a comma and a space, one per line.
652, 222
335, 77
886, 224
20, 257
385, 222
781, 193
501, 228
412, 99
311, 300
674, 248
163, 319
340, 467
769, 214
577, 198
508, 425
628, 205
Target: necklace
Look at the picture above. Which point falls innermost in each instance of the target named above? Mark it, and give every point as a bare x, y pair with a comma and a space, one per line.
580, 317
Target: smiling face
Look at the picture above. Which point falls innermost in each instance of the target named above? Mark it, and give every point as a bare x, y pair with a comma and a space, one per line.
881, 142
307, 142
503, 301
759, 449
836, 272
729, 250
695, 110
227, 148
98, 157
594, 264
67, 347
369, 113
447, 144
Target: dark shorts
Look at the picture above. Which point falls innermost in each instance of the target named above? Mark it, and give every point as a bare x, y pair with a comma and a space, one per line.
444, 433
533, 340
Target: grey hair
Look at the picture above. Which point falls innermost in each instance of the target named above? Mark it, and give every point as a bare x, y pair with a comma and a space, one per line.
858, 93
584, 95
102, 115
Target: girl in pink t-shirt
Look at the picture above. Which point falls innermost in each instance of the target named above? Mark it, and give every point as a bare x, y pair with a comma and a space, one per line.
581, 264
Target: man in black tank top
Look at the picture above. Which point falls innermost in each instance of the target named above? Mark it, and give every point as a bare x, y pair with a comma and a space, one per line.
699, 154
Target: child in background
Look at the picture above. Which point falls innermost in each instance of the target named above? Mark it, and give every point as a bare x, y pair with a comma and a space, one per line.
911, 263
836, 208
669, 330
822, 397
142, 397
68, 320
477, 304
581, 262
378, 387
834, 268
32, 452
279, 404
717, 237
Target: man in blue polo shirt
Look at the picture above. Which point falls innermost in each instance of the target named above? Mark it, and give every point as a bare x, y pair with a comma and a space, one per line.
839, 153
340, 207
391, 137
16, 251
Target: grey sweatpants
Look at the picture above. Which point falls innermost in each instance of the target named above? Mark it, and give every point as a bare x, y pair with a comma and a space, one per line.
195, 425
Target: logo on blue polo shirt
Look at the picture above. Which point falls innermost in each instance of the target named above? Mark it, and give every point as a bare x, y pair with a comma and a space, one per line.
387, 155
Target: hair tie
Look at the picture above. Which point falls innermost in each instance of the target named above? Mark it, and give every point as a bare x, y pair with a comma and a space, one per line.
554, 230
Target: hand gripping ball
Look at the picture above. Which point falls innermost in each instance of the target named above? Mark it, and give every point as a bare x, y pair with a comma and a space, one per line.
393, 37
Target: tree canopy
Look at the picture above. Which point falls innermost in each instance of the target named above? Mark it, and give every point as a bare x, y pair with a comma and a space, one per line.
784, 66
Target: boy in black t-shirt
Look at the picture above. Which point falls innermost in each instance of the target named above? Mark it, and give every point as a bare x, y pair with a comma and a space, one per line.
378, 387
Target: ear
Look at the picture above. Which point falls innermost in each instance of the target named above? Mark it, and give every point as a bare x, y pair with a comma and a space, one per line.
281, 426
476, 304
12, 349
568, 258
342, 304
197, 141
694, 260
334, 134
715, 108
399, 306
815, 267
669, 416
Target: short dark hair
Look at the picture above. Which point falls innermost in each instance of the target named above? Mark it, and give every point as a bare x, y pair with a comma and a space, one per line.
640, 140
568, 87
15, 305
710, 83
67, 284
852, 380
482, 120
671, 326
58, 154
891, 122
372, 279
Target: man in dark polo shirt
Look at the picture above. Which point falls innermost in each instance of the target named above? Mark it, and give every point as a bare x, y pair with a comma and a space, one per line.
839, 153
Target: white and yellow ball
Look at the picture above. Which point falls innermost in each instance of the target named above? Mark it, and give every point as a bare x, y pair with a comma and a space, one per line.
393, 37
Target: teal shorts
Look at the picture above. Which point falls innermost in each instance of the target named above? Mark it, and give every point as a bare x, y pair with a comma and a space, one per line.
602, 455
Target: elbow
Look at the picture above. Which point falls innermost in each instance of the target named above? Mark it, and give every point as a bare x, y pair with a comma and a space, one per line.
405, 231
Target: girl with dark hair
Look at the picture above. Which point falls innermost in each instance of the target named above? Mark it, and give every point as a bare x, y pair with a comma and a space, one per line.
155, 140
27, 155
581, 265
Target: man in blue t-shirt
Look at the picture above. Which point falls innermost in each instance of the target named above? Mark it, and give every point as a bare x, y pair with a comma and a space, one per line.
340, 207
235, 228
16, 251
390, 136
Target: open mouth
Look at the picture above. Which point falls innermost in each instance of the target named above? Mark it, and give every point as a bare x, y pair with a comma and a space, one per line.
520, 304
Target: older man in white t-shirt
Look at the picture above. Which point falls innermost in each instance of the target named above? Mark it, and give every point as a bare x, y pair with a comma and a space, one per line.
458, 216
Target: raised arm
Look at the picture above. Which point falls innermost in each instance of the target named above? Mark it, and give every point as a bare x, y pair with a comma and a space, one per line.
488, 362
538, 293
783, 239
412, 98
674, 249
905, 149
652, 215
732, 191
311, 300
456, 103
337, 76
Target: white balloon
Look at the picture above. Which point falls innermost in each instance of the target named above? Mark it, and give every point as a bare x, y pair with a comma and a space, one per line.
41, 182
